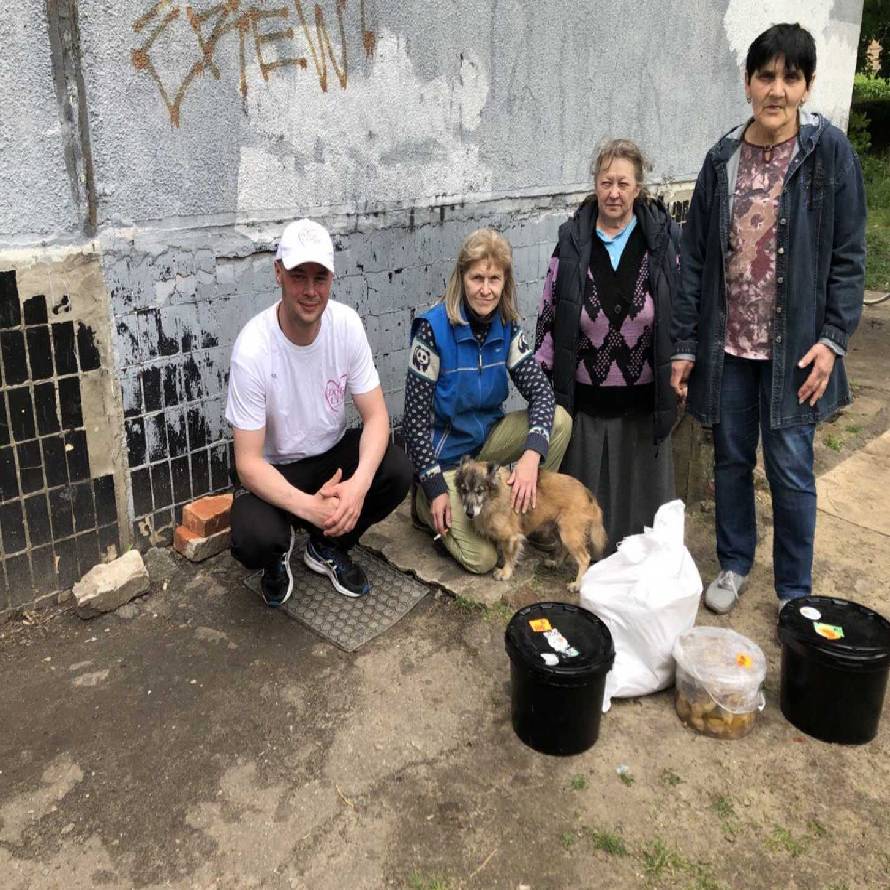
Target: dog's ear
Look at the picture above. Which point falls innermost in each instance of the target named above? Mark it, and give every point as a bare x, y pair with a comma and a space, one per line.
492, 475
465, 459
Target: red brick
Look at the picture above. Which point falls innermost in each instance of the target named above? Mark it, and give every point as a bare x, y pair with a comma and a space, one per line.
207, 516
182, 536
197, 547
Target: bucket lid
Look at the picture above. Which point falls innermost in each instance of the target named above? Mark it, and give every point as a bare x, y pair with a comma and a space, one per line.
841, 632
721, 660
560, 642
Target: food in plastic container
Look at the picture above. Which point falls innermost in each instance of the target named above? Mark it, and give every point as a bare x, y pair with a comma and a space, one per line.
719, 675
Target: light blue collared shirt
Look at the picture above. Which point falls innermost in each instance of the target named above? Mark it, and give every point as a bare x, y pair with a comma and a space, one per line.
615, 245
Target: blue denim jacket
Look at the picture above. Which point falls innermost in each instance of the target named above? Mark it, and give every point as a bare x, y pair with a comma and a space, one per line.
820, 270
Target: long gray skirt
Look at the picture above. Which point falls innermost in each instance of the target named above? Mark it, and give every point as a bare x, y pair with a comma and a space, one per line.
617, 460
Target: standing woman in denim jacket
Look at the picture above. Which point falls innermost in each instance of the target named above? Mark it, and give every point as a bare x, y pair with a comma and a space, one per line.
772, 275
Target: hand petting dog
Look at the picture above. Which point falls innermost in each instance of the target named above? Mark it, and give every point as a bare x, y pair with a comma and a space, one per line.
559, 502
524, 480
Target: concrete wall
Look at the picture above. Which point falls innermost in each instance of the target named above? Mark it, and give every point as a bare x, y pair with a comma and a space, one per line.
35, 178
162, 145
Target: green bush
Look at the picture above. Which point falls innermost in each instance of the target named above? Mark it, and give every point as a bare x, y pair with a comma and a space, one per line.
858, 132
869, 88
876, 171
870, 112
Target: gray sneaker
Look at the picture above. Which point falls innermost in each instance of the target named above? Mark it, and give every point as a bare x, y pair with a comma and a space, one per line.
723, 592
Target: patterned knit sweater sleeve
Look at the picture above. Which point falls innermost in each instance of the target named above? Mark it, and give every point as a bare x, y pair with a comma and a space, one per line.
546, 315
535, 388
417, 420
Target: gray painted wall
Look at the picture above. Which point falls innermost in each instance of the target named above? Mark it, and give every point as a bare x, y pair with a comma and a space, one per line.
395, 102
162, 151
35, 186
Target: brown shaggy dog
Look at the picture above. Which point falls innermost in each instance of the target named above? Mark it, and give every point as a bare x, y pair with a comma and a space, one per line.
562, 503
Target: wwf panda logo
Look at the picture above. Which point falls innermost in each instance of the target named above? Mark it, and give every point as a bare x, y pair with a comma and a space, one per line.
421, 358
522, 342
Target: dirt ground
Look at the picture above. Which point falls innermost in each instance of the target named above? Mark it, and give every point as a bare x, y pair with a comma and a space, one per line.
195, 739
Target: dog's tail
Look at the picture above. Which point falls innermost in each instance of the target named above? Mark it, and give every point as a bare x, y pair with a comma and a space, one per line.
597, 533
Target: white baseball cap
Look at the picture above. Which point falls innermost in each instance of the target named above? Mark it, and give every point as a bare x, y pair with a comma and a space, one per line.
305, 241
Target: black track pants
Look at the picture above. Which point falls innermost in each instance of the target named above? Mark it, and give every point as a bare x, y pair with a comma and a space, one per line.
261, 531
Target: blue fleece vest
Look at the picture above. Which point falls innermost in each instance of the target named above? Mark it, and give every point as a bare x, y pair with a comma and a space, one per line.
472, 387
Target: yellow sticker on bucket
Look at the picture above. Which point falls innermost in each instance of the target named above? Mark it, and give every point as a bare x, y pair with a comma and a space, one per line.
829, 631
743, 660
540, 625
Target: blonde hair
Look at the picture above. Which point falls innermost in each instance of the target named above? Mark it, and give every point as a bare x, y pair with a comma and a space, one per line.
610, 150
483, 244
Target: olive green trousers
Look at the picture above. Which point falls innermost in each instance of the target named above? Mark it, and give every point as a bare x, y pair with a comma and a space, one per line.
505, 444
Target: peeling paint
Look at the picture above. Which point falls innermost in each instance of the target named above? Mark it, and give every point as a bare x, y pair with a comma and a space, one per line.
835, 38
368, 151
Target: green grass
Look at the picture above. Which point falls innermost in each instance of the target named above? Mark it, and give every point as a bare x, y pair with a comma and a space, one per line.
660, 863
626, 779
817, 829
419, 881
659, 858
704, 880
499, 612
577, 783
876, 171
723, 807
782, 840
833, 441
567, 839
608, 841
853, 429
470, 607
670, 778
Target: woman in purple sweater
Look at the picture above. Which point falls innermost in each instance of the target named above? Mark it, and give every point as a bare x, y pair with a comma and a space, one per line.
603, 337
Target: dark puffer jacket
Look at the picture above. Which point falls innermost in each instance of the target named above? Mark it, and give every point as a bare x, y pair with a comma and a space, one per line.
576, 235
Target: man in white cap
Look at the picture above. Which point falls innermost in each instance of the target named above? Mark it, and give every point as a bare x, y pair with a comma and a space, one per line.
292, 368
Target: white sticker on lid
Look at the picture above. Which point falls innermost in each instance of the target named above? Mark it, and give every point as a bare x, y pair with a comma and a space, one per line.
557, 640
810, 613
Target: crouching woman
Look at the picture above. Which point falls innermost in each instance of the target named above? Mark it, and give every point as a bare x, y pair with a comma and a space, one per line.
464, 352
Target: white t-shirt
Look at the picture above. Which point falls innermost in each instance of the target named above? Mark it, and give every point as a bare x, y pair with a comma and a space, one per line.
298, 393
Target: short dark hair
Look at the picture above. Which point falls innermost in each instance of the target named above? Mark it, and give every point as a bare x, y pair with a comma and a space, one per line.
796, 44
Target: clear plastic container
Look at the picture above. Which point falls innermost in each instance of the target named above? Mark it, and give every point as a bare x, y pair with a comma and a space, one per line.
719, 675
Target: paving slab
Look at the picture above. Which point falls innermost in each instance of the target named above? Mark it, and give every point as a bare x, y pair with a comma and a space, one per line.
857, 489
411, 550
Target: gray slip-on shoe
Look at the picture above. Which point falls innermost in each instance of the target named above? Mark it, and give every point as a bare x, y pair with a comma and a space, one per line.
781, 604
723, 592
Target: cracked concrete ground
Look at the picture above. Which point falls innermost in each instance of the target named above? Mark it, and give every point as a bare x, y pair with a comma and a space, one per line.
195, 739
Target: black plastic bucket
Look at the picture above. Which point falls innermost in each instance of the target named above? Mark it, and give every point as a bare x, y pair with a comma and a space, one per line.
557, 701
835, 661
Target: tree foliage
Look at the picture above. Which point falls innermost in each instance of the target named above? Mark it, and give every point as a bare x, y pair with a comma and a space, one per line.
875, 26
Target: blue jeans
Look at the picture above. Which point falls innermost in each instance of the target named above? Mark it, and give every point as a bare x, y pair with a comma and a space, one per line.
788, 457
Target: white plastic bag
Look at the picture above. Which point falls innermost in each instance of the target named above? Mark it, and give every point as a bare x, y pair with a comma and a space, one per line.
647, 594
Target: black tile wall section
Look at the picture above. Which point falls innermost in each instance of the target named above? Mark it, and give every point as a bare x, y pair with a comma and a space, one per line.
174, 374
56, 519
